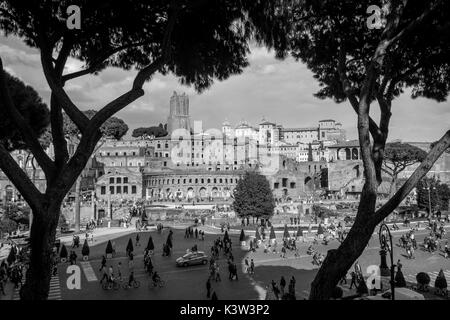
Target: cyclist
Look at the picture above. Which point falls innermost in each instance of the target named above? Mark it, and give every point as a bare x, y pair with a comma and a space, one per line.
156, 278
131, 279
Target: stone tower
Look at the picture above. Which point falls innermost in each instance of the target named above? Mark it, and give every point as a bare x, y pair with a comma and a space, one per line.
179, 113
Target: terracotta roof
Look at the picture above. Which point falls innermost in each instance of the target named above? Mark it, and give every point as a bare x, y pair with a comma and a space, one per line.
345, 144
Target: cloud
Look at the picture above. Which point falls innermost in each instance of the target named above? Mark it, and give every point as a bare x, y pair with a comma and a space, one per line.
280, 90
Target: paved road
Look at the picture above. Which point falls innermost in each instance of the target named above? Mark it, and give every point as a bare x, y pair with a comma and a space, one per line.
189, 283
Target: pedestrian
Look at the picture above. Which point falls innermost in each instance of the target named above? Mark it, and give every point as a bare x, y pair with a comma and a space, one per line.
282, 285
283, 252
216, 268
196, 234
353, 282
104, 274
208, 288
119, 271
358, 269
230, 271
276, 291
131, 264
252, 267
203, 235
247, 266
235, 271
137, 240
111, 273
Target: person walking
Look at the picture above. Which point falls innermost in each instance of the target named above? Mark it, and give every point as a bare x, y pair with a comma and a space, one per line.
119, 271
217, 273
214, 296
282, 285
276, 291
252, 267
137, 240
358, 269
247, 266
353, 282
208, 288
104, 273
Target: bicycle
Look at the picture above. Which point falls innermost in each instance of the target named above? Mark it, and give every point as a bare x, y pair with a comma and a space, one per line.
108, 285
159, 283
135, 284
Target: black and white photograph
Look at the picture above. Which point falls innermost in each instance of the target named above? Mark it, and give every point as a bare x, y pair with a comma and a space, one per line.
205, 151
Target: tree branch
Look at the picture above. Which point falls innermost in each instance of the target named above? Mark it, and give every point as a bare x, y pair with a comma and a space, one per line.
342, 70
418, 174
19, 178
78, 117
413, 24
95, 64
26, 131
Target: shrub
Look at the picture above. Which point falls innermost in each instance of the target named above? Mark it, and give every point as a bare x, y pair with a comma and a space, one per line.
130, 247
257, 235
423, 278
441, 282
85, 250
150, 245
109, 248
362, 287
63, 254
226, 237
320, 230
337, 293
400, 279
286, 232
11, 256
272, 233
242, 236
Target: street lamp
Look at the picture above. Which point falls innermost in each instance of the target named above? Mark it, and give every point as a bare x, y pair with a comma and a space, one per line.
384, 235
429, 188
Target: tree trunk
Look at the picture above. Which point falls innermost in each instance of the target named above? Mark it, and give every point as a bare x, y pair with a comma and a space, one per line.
340, 260
77, 204
42, 238
393, 187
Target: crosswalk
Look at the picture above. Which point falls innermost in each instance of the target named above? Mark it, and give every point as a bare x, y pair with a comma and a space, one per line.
433, 275
88, 271
54, 293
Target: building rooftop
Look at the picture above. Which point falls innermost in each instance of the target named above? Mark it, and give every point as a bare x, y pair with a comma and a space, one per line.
346, 144
300, 129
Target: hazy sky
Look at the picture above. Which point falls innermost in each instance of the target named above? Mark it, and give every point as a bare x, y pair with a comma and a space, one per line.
280, 91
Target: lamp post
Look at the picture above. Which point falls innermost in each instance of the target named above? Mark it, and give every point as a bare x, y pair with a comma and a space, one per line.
428, 188
384, 235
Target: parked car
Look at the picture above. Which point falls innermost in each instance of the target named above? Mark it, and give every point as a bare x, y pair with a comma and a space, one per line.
192, 258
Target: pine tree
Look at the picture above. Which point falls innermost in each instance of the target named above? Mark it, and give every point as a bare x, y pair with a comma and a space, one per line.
242, 236
85, 250
130, 248
63, 253
11, 256
272, 233
299, 231
400, 281
320, 229
109, 248
257, 235
150, 245
286, 232
440, 282
226, 237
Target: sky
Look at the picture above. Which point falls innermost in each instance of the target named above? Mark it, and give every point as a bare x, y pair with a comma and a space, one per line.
278, 90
